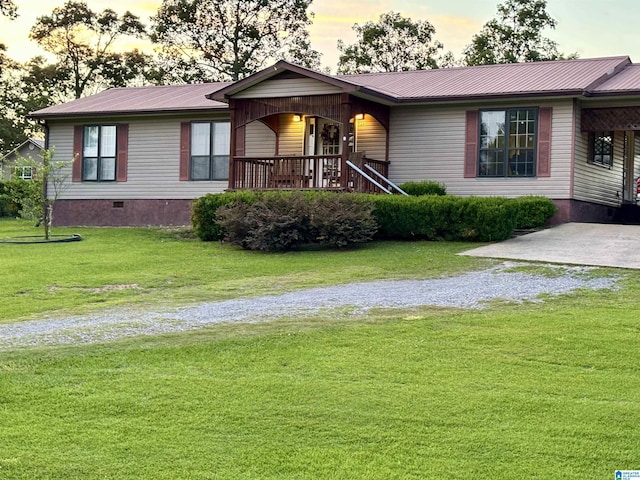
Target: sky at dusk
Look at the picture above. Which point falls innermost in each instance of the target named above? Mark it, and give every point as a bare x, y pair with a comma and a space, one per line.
592, 28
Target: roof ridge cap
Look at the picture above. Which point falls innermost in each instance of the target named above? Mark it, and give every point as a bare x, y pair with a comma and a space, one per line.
623, 65
491, 65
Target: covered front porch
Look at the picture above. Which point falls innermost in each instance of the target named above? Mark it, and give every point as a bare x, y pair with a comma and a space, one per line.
611, 174
319, 172
308, 142
614, 143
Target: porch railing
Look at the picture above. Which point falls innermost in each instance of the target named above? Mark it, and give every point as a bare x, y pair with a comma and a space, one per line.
303, 172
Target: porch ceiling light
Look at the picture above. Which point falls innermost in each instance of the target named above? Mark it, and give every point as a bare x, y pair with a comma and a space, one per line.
297, 117
360, 116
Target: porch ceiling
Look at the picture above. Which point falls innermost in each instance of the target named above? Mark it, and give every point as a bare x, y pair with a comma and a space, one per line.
327, 106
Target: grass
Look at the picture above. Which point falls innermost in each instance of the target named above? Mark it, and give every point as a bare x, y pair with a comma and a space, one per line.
116, 266
541, 390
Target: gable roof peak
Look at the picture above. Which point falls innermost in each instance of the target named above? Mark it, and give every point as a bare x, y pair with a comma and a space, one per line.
279, 67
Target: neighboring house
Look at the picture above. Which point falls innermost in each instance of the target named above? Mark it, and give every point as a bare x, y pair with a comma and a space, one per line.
30, 149
562, 129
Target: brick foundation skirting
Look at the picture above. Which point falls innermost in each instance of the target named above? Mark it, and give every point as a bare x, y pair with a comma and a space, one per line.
576, 211
115, 213
178, 212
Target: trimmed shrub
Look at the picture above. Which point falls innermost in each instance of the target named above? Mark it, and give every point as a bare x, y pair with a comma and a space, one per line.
341, 220
444, 218
280, 221
427, 187
533, 212
204, 212
272, 223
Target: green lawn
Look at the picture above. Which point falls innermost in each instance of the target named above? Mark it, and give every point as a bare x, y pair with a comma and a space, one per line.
113, 266
543, 390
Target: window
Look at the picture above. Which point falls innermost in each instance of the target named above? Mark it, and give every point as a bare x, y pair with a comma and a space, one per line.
25, 173
210, 150
508, 143
99, 153
601, 148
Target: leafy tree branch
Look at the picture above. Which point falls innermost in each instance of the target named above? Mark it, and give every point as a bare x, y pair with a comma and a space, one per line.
221, 40
394, 44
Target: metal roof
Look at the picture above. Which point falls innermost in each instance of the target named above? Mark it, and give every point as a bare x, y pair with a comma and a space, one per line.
534, 78
628, 80
135, 100
580, 77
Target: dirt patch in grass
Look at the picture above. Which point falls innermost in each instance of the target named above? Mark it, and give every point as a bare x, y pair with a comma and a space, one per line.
102, 289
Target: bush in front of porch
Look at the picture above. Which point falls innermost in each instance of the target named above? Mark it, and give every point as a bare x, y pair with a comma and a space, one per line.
277, 221
444, 218
425, 187
425, 217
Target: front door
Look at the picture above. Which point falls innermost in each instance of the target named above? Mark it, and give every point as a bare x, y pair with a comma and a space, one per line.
328, 137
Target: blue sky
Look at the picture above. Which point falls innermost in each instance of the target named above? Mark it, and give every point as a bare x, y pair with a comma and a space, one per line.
592, 28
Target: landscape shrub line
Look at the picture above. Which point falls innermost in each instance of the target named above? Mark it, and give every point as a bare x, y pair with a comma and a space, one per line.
287, 219
425, 187
275, 222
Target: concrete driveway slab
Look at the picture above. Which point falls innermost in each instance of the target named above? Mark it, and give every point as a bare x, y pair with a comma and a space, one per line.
602, 245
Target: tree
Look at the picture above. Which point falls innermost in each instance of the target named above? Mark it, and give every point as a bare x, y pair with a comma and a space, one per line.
37, 196
25, 88
221, 40
83, 43
17, 99
393, 44
8, 9
514, 36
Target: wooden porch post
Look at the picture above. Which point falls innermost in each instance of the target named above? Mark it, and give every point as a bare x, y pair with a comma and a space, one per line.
346, 115
232, 146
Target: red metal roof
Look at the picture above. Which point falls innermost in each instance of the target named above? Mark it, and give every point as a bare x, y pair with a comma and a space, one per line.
161, 99
628, 80
535, 78
606, 76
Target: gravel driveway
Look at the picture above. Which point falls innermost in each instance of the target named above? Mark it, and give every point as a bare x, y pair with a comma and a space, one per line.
471, 290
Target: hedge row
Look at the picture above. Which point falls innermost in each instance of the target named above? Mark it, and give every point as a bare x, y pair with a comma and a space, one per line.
533, 212
444, 218
428, 217
425, 187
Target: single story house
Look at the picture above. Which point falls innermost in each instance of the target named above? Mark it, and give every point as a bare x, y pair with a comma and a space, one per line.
563, 129
30, 149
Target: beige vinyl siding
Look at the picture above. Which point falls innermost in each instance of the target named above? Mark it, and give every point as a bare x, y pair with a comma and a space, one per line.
428, 144
371, 138
636, 161
153, 162
595, 183
291, 136
288, 87
260, 140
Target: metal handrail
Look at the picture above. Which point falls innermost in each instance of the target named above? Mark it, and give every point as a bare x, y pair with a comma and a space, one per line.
386, 180
353, 165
